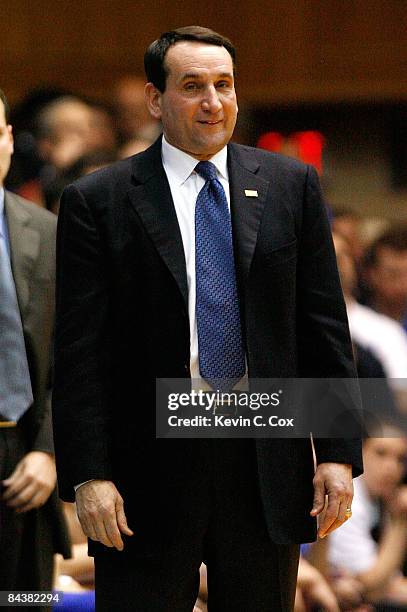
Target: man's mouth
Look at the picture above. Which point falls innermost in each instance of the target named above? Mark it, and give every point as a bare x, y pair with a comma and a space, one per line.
210, 122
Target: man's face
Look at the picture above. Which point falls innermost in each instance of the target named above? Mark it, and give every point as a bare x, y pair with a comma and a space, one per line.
198, 109
388, 277
6, 144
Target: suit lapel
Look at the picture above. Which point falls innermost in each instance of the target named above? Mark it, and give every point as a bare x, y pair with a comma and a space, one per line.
151, 198
246, 211
24, 247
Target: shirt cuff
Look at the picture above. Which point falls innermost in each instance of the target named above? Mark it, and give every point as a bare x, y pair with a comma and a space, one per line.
76, 487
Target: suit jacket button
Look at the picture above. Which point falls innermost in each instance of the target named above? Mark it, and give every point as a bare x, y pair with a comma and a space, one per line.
186, 368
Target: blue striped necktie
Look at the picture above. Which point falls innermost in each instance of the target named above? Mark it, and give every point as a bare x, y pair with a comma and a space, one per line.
15, 385
221, 353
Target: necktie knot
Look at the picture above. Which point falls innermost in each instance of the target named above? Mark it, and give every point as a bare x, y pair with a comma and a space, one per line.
207, 170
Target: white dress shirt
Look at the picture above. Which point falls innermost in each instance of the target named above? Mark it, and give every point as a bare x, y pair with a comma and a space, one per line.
185, 185
352, 547
384, 337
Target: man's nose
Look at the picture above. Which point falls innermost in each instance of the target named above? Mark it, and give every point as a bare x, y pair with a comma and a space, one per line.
211, 101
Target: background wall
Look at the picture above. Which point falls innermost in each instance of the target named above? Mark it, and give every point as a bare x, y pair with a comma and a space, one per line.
290, 52
288, 49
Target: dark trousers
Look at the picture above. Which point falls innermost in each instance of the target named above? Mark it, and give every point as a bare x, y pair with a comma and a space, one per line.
223, 526
18, 567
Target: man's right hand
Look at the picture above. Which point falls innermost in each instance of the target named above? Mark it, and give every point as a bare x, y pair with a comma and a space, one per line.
101, 513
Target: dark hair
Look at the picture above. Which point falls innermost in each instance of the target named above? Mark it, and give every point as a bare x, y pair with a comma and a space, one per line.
6, 106
395, 238
154, 58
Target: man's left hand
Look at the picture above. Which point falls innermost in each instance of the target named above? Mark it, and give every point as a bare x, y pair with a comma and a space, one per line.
31, 483
335, 481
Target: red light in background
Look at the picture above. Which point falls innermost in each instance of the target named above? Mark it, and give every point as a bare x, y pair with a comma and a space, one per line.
306, 146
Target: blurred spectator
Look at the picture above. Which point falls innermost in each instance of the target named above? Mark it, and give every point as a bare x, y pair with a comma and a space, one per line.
371, 228
55, 129
64, 131
84, 165
26, 164
365, 570
103, 135
133, 119
75, 577
31, 522
347, 223
136, 145
313, 590
386, 273
90, 163
383, 336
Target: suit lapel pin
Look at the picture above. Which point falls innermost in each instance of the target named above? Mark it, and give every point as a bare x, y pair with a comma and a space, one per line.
251, 193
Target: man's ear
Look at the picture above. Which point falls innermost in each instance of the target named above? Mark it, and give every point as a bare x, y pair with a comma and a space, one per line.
153, 100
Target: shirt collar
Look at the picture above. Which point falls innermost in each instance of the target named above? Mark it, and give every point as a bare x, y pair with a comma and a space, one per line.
181, 165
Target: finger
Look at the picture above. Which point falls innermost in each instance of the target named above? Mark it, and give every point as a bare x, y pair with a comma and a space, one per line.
319, 498
36, 501
330, 515
341, 518
22, 497
343, 514
122, 522
102, 535
87, 528
112, 526
29, 488
113, 533
15, 474
15, 485
323, 595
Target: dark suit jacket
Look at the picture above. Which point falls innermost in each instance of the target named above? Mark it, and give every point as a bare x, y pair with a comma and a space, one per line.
32, 249
122, 321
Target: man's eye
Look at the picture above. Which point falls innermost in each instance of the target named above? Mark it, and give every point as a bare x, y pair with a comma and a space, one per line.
222, 84
190, 86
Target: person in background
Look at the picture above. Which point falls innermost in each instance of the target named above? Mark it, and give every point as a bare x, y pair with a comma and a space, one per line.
347, 223
84, 165
385, 270
373, 331
32, 528
313, 590
132, 147
64, 132
134, 122
103, 133
364, 570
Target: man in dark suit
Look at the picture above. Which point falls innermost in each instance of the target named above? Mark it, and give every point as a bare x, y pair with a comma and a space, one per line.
31, 523
140, 296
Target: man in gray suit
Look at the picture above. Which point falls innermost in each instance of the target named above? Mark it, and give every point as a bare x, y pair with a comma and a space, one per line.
31, 523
